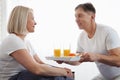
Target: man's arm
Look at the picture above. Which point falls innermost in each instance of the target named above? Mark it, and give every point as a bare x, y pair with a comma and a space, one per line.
112, 59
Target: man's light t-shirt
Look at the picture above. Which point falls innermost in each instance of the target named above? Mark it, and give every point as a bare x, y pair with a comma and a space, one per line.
104, 39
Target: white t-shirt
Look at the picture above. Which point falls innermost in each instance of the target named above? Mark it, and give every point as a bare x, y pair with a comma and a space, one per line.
8, 65
105, 38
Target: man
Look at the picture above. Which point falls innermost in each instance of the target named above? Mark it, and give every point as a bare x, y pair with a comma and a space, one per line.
97, 43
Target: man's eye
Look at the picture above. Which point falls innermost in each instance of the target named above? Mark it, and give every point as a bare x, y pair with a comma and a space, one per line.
80, 15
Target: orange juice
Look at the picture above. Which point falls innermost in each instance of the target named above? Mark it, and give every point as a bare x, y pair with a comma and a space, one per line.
66, 52
57, 52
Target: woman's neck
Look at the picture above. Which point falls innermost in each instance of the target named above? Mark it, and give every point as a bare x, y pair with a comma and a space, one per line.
21, 36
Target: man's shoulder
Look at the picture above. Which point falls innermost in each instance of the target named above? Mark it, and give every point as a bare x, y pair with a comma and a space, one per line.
103, 27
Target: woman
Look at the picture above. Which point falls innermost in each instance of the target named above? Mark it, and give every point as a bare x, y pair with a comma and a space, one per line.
18, 60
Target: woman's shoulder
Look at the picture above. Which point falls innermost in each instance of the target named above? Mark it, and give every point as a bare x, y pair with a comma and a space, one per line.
12, 39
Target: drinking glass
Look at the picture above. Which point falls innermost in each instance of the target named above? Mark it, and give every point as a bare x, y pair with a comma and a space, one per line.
57, 50
66, 50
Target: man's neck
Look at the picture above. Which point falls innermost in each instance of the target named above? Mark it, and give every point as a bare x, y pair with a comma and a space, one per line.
91, 30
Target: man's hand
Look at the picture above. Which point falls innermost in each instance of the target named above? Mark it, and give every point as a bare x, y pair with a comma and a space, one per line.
88, 57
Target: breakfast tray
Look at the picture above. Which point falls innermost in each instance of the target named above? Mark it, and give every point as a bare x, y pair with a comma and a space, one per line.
69, 58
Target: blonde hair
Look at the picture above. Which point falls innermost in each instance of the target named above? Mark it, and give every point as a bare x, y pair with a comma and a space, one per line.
18, 20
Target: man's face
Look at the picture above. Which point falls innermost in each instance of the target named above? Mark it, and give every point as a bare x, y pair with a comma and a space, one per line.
83, 18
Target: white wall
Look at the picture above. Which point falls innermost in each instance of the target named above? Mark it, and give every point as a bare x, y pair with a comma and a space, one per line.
56, 25
2, 19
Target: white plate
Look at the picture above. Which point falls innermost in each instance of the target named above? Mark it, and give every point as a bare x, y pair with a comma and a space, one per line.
76, 58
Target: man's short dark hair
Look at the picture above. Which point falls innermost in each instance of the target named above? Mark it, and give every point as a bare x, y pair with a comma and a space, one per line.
86, 7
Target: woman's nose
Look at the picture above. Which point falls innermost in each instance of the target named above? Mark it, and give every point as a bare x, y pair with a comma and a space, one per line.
35, 23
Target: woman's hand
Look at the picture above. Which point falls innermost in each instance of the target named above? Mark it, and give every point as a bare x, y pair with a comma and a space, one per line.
69, 72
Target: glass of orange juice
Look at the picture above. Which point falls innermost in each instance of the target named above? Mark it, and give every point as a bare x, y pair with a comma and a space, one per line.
66, 52
57, 52
66, 49
57, 49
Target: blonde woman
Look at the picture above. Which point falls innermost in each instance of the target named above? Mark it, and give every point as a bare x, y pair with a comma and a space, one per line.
18, 60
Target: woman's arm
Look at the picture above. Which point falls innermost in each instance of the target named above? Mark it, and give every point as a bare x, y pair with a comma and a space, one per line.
38, 59
25, 59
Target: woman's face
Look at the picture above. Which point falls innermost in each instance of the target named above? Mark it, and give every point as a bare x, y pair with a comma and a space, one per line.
30, 22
